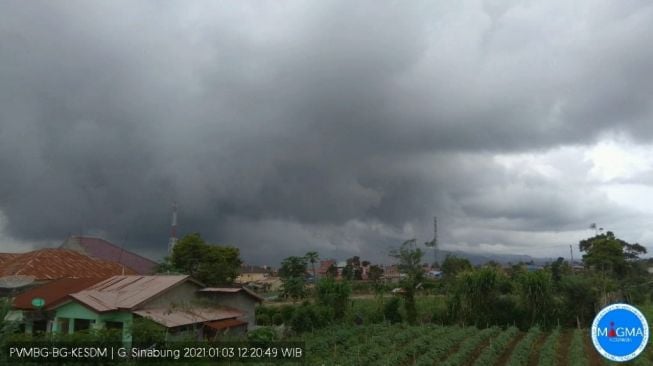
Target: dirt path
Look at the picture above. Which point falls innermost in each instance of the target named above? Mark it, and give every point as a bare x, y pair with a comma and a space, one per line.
563, 347
506, 352
534, 357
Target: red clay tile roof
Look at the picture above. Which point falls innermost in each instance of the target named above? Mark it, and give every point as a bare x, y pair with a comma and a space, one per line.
53, 292
52, 264
104, 250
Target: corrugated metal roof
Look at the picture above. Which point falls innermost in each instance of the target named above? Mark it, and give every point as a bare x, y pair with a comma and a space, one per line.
224, 324
179, 316
125, 292
53, 292
232, 290
55, 263
105, 250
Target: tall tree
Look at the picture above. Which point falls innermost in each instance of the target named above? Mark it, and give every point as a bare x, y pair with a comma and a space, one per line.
292, 273
453, 265
209, 264
410, 265
609, 254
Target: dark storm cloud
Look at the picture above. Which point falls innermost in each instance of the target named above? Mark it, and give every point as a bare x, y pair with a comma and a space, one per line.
286, 126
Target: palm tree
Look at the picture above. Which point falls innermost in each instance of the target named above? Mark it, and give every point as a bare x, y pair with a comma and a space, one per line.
312, 257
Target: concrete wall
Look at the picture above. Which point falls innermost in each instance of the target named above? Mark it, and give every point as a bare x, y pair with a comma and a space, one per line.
184, 293
74, 310
239, 300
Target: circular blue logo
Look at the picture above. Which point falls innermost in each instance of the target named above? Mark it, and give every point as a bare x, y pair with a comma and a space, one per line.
620, 332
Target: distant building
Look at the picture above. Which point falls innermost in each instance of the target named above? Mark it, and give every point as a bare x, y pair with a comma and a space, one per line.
323, 269
391, 273
99, 248
252, 274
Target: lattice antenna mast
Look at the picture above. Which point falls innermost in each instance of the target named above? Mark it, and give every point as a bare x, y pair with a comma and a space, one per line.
434, 243
435, 239
173, 229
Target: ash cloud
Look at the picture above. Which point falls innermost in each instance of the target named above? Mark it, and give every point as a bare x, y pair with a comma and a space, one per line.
284, 127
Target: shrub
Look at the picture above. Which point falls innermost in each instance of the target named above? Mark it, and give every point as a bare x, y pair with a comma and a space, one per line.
263, 334
391, 311
287, 312
263, 319
333, 294
277, 319
309, 317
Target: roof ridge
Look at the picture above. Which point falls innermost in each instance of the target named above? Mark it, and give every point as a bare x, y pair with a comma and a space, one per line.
122, 248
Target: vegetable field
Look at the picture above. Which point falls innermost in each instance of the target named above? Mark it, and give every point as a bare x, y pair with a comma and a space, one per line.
453, 346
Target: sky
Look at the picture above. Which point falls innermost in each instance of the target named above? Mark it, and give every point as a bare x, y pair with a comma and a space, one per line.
341, 127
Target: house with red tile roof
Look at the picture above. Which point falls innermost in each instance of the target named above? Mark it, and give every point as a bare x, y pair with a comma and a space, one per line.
102, 249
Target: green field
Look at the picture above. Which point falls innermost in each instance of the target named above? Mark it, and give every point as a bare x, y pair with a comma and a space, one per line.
451, 345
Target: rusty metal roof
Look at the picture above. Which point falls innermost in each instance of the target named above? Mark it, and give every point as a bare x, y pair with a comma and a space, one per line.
177, 317
232, 290
53, 292
5, 257
126, 292
224, 324
51, 264
105, 250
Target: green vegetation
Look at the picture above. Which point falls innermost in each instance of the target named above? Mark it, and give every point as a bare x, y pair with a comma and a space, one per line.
577, 353
210, 264
519, 356
497, 346
293, 276
410, 265
549, 350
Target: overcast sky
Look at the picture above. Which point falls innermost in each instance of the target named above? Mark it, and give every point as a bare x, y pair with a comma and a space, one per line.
342, 127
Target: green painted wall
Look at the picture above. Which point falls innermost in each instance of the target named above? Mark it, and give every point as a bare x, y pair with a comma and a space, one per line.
74, 310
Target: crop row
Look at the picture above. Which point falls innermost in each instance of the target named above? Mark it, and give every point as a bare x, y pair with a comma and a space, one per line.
469, 346
548, 353
577, 355
493, 351
519, 356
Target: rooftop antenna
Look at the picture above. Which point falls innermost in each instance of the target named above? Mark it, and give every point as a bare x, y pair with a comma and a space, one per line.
173, 229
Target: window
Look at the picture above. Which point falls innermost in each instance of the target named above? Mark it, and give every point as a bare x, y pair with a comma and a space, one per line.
82, 324
113, 325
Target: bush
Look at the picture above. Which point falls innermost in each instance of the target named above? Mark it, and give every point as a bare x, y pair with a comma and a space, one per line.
277, 319
146, 332
391, 311
287, 312
263, 334
333, 294
263, 319
310, 317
